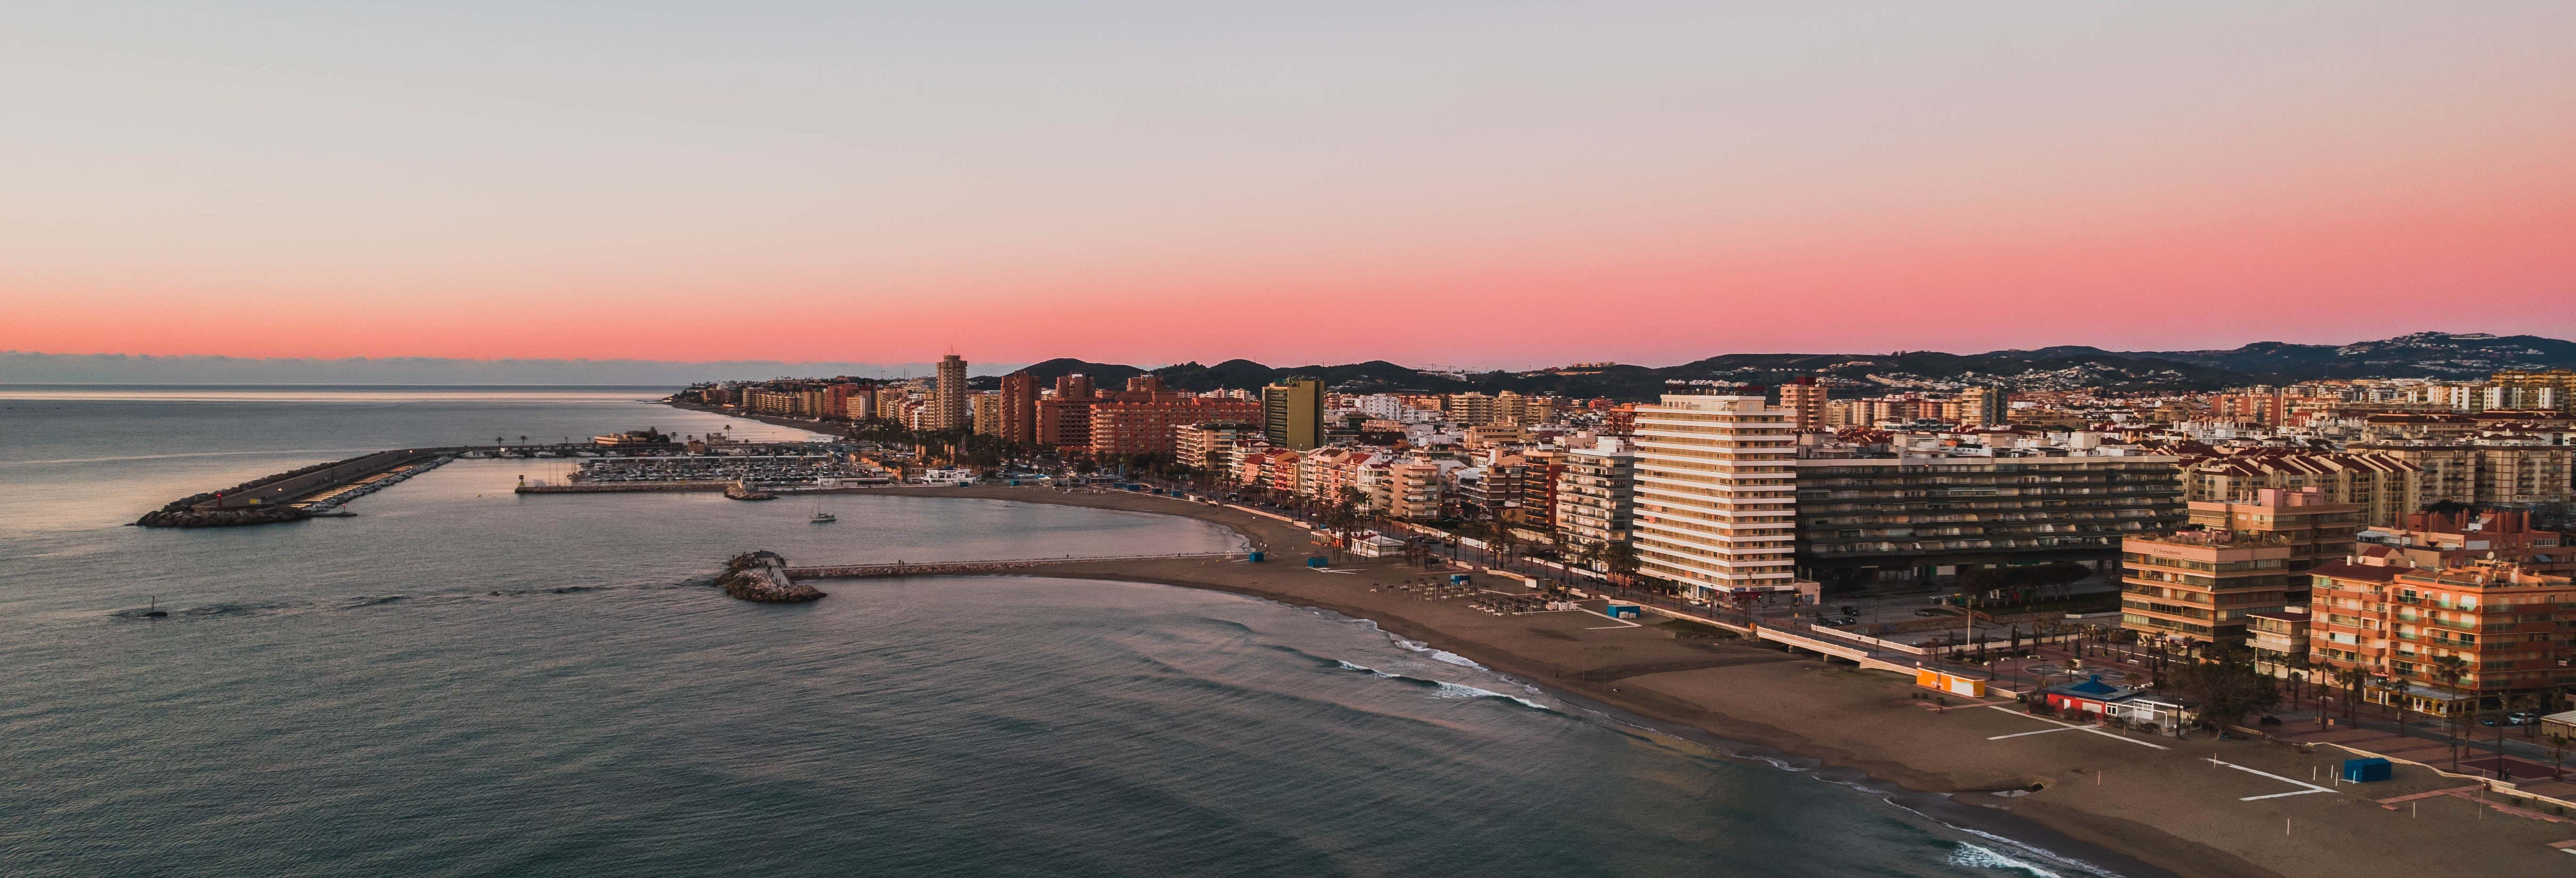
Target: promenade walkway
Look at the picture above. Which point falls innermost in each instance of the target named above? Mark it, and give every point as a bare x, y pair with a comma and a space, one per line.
961, 568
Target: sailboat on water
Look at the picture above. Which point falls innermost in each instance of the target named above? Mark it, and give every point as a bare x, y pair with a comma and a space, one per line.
820, 516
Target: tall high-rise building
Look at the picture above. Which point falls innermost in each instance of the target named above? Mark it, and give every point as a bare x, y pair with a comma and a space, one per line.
1293, 413
1985, 407
1020, 408
1075, 387
1804, 397
1595, 494
987, 408
949, 403
1716, 494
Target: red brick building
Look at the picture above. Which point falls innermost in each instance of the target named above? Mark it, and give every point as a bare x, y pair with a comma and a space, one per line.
1020, 408
1132, 425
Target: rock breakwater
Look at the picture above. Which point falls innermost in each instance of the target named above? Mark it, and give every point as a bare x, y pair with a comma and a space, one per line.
762, 576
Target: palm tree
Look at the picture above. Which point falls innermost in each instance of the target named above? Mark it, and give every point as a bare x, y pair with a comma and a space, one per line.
1619, 559
2350, 678
1347, 503
2450, 669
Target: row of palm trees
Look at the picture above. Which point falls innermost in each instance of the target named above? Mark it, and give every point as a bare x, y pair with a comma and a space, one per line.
2450, 671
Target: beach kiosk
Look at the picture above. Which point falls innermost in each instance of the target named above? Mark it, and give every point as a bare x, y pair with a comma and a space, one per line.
1945, 681
2367, 770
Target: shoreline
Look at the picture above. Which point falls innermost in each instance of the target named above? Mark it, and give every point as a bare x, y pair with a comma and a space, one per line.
2030, 837
1931, 795
2137, 806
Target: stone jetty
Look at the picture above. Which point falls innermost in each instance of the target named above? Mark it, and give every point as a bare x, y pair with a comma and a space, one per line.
762, 576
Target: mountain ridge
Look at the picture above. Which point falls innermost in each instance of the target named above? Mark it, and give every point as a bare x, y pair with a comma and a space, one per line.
2434, 355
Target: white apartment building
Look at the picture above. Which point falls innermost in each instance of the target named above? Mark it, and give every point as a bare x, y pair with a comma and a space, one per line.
1717, 494
1595, 493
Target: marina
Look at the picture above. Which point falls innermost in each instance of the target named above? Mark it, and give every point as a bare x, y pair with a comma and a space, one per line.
640, 460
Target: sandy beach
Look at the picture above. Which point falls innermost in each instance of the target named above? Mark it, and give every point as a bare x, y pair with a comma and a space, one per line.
2125, 801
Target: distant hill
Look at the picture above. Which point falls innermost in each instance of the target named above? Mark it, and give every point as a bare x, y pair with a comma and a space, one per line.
2421, 355
1106, 375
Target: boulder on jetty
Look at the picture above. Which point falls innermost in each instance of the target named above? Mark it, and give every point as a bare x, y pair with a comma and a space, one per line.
741, 491
748, 577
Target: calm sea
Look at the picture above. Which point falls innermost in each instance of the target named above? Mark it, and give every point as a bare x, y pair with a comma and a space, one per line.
463, 681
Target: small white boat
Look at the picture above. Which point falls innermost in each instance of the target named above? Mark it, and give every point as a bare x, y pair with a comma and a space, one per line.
825, 518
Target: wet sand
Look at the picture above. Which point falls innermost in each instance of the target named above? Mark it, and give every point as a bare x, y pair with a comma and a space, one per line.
2129, 807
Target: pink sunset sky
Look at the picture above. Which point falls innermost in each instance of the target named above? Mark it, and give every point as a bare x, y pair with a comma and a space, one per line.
1486, 183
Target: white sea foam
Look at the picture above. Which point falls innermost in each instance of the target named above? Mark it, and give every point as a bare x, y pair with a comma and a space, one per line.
1974, 857
1438, 655
2027, 850
1453, 690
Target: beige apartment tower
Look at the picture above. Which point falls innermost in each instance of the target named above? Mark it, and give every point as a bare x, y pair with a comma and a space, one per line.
948, 410
1717, 495
1805, 400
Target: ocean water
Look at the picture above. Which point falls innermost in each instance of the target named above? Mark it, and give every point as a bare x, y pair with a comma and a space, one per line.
464, 681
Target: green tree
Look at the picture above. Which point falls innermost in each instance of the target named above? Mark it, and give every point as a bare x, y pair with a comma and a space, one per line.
1619, 559
2227, 687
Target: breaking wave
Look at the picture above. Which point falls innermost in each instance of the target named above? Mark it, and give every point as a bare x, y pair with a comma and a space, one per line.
1974, 857
1441, 689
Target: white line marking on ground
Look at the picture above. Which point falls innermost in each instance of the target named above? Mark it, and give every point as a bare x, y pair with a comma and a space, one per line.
2311, 788
2080, 728
1623, 623
2027, 734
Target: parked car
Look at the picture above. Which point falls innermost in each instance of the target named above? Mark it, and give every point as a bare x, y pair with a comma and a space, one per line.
2516, 718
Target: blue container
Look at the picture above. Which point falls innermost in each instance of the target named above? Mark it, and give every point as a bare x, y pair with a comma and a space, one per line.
2366, 770
1623, 611
1315, 562
1255, 557
1015, 483
1457, 579
1131, 487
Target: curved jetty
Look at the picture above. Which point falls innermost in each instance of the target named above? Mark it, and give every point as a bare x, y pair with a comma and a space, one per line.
296, 494
762, 576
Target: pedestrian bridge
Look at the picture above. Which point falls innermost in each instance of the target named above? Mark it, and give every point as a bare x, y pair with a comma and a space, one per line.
1856, 653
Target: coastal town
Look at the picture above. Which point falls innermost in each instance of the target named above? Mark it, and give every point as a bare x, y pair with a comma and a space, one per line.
1508, 440
2379, 565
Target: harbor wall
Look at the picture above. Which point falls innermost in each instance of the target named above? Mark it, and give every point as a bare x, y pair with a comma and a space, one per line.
289, 489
